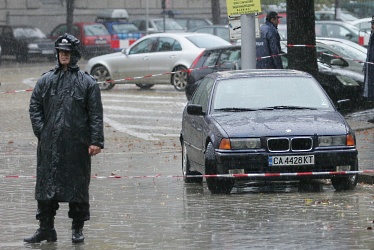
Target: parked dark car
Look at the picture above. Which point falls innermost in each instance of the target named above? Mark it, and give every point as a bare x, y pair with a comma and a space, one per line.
95, 38
338, 82
25, 42
273, 124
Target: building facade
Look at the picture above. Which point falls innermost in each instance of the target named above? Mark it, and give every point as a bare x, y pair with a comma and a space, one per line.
46, 14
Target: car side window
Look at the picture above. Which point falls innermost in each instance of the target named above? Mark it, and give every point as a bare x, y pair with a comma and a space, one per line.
337, 31
165, 44
211, 59
59, 31
324, 55
202, 94
145, 46
232, 56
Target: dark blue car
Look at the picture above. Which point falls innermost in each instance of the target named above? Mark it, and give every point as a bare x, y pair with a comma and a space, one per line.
265, 123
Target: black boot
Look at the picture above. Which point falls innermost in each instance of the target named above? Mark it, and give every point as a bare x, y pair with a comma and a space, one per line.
46, 231
77, 231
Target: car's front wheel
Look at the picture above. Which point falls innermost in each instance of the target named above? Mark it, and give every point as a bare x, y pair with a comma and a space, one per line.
186, 169
179, 79
344, 183
216, 185
103, 77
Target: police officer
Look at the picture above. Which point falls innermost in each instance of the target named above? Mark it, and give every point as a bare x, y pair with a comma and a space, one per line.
369, 69
67, 118
268, 45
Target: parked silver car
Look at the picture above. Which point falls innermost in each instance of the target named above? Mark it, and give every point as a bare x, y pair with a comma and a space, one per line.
160, 58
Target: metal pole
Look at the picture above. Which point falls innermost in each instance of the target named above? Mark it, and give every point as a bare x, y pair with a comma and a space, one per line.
248, 43
146, 17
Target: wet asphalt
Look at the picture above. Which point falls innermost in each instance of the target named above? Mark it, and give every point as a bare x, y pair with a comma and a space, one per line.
149, 207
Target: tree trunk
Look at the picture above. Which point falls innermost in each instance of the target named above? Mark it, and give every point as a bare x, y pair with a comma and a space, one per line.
70, 15
216, 11
301, 31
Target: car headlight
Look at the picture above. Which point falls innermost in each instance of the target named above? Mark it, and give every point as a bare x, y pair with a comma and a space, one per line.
336, 140
33, 46
242, 143
347, 81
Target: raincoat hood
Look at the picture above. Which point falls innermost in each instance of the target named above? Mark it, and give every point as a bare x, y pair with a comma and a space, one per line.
69, 43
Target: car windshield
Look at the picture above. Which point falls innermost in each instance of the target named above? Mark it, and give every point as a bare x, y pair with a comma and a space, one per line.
269, 93
351, 50
124, 27
95, 30
207, 41
169, 25
28, 32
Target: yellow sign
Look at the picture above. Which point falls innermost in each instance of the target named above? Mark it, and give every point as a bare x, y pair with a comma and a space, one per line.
239, 7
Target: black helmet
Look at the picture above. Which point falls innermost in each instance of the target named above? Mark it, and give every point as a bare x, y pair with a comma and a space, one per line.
69, 42
64, 44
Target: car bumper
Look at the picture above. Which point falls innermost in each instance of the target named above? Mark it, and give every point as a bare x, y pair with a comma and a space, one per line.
247, 163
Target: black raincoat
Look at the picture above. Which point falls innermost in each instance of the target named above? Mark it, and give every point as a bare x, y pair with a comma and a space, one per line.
369, 71
268, 48
67, 117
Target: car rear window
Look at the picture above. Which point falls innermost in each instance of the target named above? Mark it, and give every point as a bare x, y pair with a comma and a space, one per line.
207, 41
28, 32
124, 27
95, 30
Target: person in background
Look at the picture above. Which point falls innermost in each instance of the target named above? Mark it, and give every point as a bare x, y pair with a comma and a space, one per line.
67, 118
268, 45
369, 69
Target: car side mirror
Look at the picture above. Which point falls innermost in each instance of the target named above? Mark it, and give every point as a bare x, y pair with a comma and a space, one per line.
125, 51
339, 62
194, 109
344, 105
349, 35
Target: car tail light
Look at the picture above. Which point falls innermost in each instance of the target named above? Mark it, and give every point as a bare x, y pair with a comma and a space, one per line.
193, 65
361, 40
114, 42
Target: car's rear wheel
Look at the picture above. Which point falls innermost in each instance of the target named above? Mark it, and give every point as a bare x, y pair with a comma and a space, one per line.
179, 79
144, 85
186, 169
216, 185
344, 183
103, 77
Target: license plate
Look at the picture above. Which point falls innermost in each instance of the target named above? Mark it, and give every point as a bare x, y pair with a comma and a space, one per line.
291, 160
101, 41
48, 52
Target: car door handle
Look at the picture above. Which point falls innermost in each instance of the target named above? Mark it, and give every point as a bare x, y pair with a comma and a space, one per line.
172, 57
145, 58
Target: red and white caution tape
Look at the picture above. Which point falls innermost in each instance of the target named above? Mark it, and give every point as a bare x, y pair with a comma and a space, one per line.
250, 175
16, 91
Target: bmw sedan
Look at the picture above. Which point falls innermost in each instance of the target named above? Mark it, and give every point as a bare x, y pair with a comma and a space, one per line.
161, 58
272, 124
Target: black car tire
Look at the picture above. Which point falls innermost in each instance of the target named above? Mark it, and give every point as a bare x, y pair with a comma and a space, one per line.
144, 85
102, 76
344, 183
216, 185
21, 56
179, 79
186, 168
